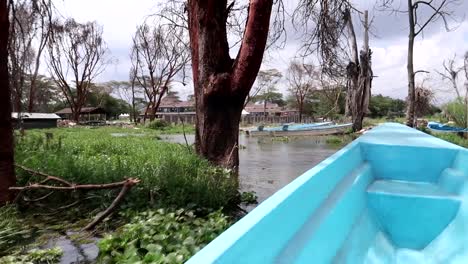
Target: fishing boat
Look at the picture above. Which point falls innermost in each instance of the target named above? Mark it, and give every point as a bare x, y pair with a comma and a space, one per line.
394, 195
438, 127
325, 128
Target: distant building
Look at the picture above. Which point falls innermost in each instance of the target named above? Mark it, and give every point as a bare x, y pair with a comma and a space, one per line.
271, 109
170, 109
86, 114
34, 120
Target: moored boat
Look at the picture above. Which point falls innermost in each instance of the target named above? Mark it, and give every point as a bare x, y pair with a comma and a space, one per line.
325, 129
438, 127
395, 195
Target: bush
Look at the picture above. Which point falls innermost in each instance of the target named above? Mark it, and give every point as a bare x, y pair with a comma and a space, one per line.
36, 256
158, 124
161, 236
456, 111
169, 173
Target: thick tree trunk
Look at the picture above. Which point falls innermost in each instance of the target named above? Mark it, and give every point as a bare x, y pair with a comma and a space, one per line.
410, 111
7, 172
221, 84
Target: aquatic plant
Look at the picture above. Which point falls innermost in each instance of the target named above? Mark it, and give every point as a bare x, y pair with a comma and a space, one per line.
169, 173
161, 236
34, 256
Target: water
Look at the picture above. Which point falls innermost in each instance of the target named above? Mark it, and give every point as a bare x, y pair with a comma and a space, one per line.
267, 164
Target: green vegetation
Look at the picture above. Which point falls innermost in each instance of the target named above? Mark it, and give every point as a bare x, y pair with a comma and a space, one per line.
384, 106
456, 111
170, 175
11, 230
34, 256
452, 137
161, 236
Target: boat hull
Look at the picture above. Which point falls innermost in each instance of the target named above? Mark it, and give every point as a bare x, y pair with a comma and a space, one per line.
317, 131
395, 195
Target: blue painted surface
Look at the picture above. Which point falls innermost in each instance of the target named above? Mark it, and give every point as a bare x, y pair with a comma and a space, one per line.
444, 128
395, 195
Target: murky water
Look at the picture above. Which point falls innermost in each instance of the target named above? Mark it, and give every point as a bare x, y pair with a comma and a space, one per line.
267, 164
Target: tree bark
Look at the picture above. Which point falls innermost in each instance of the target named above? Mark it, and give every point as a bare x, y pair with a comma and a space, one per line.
221, 84
7, 172
410, 112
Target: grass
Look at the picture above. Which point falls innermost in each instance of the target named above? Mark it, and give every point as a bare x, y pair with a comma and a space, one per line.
453, 138
170, 174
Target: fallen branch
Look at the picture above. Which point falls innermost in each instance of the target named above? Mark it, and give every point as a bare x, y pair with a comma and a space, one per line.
126, 185
101, 216
47, 177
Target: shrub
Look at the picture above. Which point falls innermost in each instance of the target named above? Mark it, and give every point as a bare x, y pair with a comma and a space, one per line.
36, 256
158, 124
161, 236
456, 110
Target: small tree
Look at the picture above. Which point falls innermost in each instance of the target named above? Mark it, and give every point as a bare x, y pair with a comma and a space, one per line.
159, 54
267, 81
79, 50
303, 81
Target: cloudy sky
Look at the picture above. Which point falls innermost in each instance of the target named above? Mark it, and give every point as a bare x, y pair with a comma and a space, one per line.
388, 42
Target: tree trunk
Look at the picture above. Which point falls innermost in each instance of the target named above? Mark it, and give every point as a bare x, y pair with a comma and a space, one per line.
221, 84
410, 113
7, 172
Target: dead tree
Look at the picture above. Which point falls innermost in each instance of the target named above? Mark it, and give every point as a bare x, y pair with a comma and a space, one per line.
76, 51
159, 55
303, 80
450, 73
359, 72
417, 23
7, 171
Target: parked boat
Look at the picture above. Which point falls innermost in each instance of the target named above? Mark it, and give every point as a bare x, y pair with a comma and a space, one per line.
438, 127
302, 130
291, 126
395, 195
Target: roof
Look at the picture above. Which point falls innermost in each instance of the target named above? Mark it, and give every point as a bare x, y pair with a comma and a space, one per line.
171, 103
25, 115
83, 110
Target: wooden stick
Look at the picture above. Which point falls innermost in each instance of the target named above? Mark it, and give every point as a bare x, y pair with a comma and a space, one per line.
74, 186
101, 216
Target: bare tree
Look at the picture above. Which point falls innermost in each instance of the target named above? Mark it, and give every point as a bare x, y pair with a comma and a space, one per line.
303, 80
417, 24
76, 51
423, 100
29, 32
7, 172
450, 73
159, 55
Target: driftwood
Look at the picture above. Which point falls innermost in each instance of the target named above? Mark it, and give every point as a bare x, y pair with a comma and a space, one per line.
125, 185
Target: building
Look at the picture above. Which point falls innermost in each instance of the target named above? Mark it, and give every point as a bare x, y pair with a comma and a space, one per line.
86, 114
34, 120
271, 109
173, 111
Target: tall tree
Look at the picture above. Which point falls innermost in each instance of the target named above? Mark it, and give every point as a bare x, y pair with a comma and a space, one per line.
222, 83
159, 54
79, 50
303, 80
359, 72
29, 33
7, 173
416, 25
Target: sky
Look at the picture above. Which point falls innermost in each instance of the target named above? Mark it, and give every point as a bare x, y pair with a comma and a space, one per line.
388, 43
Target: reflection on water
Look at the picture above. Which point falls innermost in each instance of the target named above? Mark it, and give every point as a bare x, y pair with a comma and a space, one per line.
267, 164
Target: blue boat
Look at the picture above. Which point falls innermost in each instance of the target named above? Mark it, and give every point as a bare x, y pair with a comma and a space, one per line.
395, 195
438, 127
286, 127
317, 129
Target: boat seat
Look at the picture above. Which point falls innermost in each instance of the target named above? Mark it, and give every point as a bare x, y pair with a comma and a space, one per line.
411, 214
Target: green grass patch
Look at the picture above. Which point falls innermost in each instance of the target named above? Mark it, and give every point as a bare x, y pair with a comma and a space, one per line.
170, 174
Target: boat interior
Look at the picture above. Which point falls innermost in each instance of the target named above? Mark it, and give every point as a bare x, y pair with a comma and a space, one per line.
395, 195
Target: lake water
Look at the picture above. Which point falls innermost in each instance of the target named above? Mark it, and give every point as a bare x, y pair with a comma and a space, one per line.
267, 164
